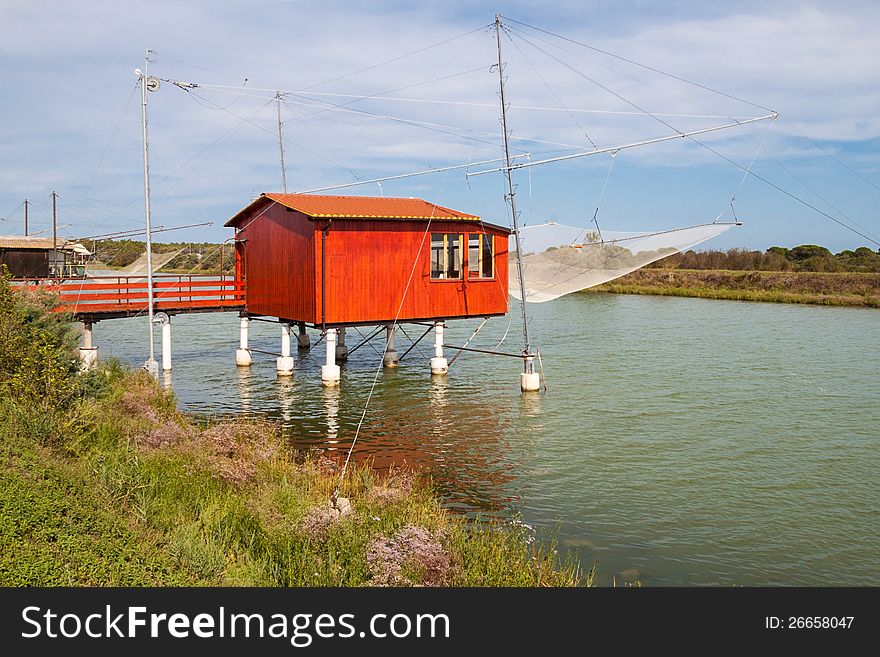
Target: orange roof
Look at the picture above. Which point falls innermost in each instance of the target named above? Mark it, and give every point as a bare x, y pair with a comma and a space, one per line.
367, 207
358, 207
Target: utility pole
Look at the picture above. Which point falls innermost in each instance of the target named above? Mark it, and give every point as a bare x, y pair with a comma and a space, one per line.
26, 203
281, 142
152, 84
55, 234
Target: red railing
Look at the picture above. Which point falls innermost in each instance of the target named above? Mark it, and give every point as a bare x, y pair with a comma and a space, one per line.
129, 294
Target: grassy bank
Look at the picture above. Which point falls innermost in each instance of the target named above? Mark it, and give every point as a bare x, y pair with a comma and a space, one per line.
829, 289
104, 482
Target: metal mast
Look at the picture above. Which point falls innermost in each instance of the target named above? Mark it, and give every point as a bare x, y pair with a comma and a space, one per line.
55, 235
511, 198
26, 203
281, 142
151, 365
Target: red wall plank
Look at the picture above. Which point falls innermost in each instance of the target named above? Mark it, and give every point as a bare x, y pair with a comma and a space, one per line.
279, 264
379, 270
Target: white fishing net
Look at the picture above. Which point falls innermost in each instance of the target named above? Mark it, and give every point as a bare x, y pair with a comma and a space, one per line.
559, 260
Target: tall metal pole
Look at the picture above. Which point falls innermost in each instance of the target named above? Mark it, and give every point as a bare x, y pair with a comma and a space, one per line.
281, 142
511, 198
26, 203
151, 365
55, 234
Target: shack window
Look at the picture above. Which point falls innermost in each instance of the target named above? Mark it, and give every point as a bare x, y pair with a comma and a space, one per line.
480, 261
445, 255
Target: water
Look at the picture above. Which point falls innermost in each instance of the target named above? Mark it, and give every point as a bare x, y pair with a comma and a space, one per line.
682, 441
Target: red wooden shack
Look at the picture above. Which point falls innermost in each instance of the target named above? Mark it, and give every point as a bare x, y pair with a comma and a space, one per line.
335, 261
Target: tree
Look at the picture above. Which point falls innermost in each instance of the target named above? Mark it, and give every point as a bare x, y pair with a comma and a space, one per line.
805, 251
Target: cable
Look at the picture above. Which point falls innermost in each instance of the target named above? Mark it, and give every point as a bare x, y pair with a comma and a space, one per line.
786, 192
550, 89
831, 155
639, 64
185, 163
272, 132
463, 103
335, 495
741, 182
602, 194
110, 142
703, 145
426, 125
397, 59
201, 68
818, 195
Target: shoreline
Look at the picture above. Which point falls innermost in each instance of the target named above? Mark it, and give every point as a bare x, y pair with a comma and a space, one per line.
843, 289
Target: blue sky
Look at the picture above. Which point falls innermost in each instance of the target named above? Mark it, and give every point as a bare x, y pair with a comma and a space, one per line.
70, 111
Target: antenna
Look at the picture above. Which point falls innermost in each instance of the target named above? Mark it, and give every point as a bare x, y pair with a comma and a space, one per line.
26, 203
151, 84
281, 142
510, 197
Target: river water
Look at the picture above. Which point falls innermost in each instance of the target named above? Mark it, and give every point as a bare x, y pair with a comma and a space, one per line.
680, 442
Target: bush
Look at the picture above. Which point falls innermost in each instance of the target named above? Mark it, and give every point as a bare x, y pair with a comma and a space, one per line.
38, 357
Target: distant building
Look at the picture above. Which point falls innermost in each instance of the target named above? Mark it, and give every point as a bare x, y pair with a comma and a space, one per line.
39, 257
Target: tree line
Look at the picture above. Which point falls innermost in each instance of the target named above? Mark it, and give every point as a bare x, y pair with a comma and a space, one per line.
193, 256
806, 257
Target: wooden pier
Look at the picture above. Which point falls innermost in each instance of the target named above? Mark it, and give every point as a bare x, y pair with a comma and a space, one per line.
94, 298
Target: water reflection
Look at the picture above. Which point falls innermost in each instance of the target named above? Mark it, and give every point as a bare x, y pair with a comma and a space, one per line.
286, 394
440, 414
531, 404
244, 386
331, 413
459, 441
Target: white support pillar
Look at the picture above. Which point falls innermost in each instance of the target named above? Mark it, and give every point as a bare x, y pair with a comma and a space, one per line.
284, 363
341, 349
529, 380
242, 355
330, 371
166, 345
88, 354
439, 365
390, 359
302, 340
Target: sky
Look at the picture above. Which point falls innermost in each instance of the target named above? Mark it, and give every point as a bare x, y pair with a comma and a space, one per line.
377, 89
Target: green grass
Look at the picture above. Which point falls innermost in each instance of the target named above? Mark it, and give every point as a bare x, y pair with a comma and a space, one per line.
137, 494
57, 529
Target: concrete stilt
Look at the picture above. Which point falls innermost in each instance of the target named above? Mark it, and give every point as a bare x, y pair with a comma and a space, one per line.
302, 340
166, 345
284, 363
390, 358
529, 380
88, 354
341, 349
330, 371
439, 365
242, 355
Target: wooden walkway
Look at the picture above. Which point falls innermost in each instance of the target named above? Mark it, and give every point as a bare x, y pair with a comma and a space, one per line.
94, 298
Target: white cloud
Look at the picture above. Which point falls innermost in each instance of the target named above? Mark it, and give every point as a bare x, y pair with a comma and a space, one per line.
67, 72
